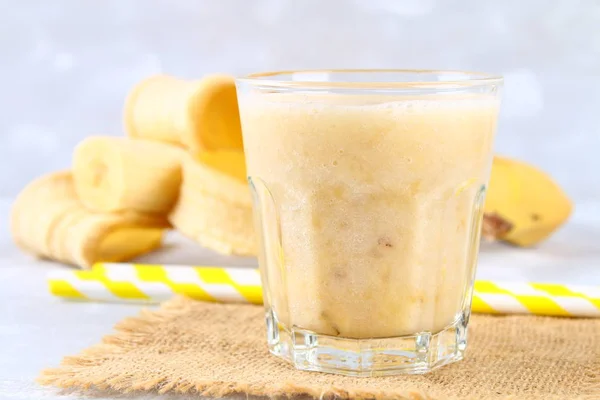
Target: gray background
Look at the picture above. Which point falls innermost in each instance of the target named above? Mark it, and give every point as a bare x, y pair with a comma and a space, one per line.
67, 64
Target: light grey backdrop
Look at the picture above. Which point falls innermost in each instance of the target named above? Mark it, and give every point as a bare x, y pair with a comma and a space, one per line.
66, 65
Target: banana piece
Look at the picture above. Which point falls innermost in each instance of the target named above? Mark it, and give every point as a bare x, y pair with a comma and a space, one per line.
523, 204
215, 115
57, 244
216, 224
38, 208
111, 238
156, 108
119, 174
49, 221
214, 206
219, 173
200, 115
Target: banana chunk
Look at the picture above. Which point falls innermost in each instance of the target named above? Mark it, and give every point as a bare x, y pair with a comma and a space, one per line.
214, 206
110, 237
38, 209
224, 227
119, 174
200, 115
49, 221
523, 204
220, 173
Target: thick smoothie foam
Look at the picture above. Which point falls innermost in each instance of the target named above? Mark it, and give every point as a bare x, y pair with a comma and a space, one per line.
377, 200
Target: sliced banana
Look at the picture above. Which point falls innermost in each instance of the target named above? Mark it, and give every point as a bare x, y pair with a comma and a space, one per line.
48, 221
215, 115
214, 207
220, 173
201, 115
120, 174
38, 208
111, 238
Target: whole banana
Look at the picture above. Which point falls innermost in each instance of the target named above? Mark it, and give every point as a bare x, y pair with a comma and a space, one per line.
523, 204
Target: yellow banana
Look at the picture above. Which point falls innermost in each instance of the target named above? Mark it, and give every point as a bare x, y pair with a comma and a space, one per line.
156, 108
48, 220
214, 206
201, 115
38, 208
120, 174
221, 174
111, 238
523, 204
215, 223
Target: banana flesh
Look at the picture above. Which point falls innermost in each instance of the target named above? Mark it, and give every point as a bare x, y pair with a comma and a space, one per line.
220, 173
210, 221
214, 207
523, 204
156, 108
200, 115
38, 208
48, 221
119, 174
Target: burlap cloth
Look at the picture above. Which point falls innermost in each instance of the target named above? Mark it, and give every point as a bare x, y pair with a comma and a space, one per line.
218, 349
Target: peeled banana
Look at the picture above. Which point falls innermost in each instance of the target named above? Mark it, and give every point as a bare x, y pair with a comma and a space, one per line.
109, 237
214, 223
523, 205
156, 108
214, 206
220, 173
120, 174
48, 220
38, 208
200, 115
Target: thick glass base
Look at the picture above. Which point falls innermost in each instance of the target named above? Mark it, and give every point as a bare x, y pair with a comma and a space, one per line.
415, 354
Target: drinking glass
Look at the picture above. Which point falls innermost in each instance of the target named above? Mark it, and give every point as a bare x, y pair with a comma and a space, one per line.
368, 190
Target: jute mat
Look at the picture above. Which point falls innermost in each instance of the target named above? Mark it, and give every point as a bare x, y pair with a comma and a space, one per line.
220, 349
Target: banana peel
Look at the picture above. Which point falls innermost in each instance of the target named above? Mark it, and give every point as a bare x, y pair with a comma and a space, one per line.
523, 204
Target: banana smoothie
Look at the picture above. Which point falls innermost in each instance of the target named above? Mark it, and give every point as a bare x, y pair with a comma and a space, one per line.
370, 207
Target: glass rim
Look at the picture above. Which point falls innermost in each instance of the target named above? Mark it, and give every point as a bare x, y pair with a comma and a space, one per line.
273, 79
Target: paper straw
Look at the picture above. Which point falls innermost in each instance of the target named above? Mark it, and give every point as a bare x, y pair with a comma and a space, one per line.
156, 283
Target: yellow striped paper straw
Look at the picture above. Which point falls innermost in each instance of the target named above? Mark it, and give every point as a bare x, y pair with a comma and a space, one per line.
536, 298
156, 283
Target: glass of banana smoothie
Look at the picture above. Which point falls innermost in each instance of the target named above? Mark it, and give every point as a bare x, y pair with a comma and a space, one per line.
368, 193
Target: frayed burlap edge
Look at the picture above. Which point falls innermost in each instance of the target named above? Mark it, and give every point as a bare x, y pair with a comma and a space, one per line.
136, 331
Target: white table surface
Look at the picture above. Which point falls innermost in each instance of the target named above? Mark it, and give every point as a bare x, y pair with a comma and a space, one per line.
37, 330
